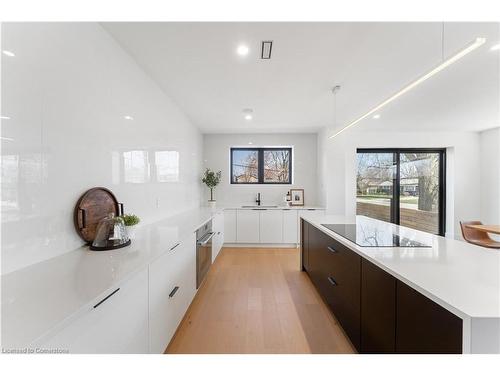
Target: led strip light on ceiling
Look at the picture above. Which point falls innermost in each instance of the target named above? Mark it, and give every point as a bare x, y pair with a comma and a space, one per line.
469, 48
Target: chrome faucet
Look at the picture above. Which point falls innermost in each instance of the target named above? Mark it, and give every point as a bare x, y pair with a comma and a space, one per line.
257, 200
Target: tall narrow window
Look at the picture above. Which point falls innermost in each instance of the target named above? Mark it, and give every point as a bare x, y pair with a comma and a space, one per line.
403, 186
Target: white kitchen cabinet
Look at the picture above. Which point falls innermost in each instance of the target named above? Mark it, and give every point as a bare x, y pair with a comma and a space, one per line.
172, 286
116, 323
229, 226
271, 226
248, 227
290, 233
218, 238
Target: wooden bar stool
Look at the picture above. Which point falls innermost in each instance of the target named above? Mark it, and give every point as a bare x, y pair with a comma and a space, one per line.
477, 237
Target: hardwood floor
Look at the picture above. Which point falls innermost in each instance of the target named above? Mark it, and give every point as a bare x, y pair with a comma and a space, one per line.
256, 300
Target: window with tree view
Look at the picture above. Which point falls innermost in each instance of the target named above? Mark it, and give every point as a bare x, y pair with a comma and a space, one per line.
402, 186
261, 165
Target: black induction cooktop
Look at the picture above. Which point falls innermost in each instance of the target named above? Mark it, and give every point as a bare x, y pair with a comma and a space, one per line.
372, 236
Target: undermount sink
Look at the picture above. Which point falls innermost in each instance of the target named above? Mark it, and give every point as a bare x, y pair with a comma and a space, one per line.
255, 206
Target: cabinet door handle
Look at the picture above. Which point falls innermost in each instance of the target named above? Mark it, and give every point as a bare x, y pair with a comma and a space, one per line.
104, 300
173, 247
172, 293
332, 249
332, 281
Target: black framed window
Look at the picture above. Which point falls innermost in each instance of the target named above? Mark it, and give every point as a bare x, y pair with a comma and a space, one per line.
405, 186
261, 165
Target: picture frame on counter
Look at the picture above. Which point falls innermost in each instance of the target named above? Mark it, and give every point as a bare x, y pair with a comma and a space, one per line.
297, 197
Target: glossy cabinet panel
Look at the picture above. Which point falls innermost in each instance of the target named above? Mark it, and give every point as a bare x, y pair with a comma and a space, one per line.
248, 226
378, 310
304, 244
172, 286
290, 228
230, 226
424, 327
117, 324
218, 238
271, 226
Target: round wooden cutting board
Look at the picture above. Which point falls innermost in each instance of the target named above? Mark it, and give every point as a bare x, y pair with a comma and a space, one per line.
93, 206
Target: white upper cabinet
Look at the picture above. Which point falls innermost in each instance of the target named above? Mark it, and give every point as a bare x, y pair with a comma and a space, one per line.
290, 233
248, 226
230, 226
271, 226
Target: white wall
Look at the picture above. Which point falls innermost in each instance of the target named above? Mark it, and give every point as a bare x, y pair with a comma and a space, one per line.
490, 176
216, 157
66, 91
463, 200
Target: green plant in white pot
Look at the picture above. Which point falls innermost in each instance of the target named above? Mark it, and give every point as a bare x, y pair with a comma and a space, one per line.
211, 179
131, 222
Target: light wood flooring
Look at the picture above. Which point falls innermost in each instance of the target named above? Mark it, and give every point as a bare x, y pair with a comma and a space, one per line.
255, 300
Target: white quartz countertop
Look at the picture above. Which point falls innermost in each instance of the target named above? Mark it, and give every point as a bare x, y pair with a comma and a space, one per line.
271, 207
37, 298
463, 278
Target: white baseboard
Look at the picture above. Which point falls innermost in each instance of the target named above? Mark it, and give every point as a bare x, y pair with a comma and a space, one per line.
280, 245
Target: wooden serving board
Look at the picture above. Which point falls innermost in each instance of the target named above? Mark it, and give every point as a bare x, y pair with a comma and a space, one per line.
93, 206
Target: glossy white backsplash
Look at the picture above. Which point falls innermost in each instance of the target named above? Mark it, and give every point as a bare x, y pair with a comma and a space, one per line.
67, 92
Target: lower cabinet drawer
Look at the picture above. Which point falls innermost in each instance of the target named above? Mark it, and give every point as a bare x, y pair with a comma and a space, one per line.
172, 286
343, 296
117, 324
337, 276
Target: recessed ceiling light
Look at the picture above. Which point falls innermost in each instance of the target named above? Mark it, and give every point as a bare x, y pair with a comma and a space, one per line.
376, 117
250, 143
128, 117
247, 112
8, 53
242, 50
5, 117
7, 139
495, 47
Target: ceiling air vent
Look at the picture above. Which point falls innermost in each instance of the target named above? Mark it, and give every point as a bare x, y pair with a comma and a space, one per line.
267, 46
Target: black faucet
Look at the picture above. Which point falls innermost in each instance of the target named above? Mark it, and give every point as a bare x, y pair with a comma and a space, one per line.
257, 200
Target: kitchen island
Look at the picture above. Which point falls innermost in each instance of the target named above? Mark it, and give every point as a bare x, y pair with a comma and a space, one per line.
440, 298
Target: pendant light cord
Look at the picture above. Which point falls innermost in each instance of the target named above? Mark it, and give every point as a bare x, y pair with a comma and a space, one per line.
335, 91
442, 42
335, 109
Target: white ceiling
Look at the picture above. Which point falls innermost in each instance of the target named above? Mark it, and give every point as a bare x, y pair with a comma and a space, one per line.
196, 64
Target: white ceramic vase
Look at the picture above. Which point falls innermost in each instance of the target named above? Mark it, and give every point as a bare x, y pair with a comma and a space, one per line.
131, 231
212, 204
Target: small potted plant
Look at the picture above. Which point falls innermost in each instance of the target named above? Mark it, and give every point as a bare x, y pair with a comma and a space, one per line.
211, 179
130, 222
